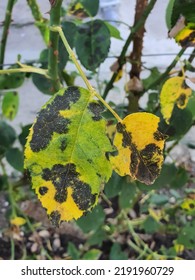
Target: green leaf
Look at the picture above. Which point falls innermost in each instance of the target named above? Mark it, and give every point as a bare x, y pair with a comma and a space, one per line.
8, 136
23, 135
11, 81
185, 8
114, 32
182, 117
2, 182
93, 220
92, 43
70, 31
15, 158
73, 252
191, 104
159, 199
42, 83
116, 253
169, 12
186, 235
114, 185
92, 254
98, 237
180, 178
127, 195
66, 154
10, 105
154, 74
150, 225
90, 6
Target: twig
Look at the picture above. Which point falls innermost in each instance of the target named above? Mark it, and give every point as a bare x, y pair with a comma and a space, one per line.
39, 20
53, 46
82, 74
26, 69
166, 73
5, 33
134, 30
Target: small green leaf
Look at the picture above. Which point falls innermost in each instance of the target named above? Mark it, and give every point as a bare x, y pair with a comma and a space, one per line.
8, 136
114, 185
73, 252
98, 237
182, 117
90, 6
42, 83
114, 32
154, 74
180, 178
92, 43
186, 235
92, 254
159, 199
150, 225
11, 81
15, 158
116, 253
169, 12
93, 220
127, 195
10, 105
191, 104
23, 135
70, 31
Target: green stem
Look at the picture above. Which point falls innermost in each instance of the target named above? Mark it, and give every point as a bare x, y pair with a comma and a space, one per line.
53, 46
39, 20
5, 33
26, 69
82, 74
134, 30
12, 249
166, 73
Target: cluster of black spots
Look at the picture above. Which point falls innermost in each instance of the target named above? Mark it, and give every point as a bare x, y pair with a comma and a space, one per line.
64, 176
96, 109
147, 169
159, 136
49, 119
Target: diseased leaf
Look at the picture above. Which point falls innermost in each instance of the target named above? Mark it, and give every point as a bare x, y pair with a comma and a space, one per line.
186, 36
66, 154
174, 92
84, 8
92, 43
140, 147
10, 105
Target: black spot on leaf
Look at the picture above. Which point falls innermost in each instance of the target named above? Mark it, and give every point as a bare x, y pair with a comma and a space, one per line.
49, 119
43, 190
64, 176
96, 109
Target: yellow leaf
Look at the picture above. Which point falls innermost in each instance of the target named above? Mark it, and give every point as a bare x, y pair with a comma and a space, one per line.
18, 221
186, 36
174, 92
139, 146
